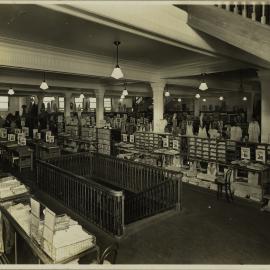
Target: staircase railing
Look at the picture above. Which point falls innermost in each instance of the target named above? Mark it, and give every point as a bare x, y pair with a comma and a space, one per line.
259, 12
154, 200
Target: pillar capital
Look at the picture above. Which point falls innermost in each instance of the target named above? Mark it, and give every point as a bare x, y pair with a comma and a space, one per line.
158, 85
100, 91
68, 94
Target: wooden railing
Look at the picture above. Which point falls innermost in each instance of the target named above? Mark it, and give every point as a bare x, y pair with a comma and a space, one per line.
259, 11
154, 200
102, 206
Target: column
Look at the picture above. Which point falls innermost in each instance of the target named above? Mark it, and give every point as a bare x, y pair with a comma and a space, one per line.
250, 104
40, 101
265, 105
100, 107
158, 108
197, 107
68, 96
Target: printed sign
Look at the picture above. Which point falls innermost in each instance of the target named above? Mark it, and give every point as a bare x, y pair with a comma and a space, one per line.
175, 144
25, 130
51, 139
22, 141
260, 155
3, 133
245, 153
11, 137
35, 131
165, 142
131, 138
125, 138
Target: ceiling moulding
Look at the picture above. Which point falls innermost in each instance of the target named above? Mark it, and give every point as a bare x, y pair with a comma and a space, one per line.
28, 55
197, 68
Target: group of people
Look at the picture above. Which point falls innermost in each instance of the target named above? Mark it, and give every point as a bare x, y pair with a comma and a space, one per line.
11, 121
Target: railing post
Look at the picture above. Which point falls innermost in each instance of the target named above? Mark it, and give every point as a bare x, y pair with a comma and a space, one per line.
179, 194
244, 10
253, 15
263, 18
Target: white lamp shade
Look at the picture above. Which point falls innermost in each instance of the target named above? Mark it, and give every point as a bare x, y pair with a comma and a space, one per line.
117, 73
81, 96
179, 99
197, 96
203, 86
125, 92
167, 93
11, 91
221, 98
204, 100
122, 96
44, 85
245, 98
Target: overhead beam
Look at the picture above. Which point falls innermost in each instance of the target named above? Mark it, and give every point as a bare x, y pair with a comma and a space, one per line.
243, 33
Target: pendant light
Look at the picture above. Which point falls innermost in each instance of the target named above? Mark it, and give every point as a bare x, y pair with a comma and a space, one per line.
11, 91
221, 98
125, 91
167, 93
81, 96
44, 85
122, 96
244, 98
197, 96
203, 86
117, 72
204, 100
179, 100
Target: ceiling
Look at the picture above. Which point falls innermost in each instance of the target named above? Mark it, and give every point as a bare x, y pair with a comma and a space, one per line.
48, 27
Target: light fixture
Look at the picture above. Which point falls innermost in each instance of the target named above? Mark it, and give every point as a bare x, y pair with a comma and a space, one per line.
203, 86
44, 85
125, 91
117, 72
221, 98
122, 96
197, 95
179, 99
11, 91
204, 100
81, 96
167, 93
245, 98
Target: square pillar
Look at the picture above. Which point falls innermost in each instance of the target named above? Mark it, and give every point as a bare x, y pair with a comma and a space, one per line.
99, 107
158, 108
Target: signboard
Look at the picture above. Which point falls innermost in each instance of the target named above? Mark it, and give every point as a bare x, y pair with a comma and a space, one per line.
51, 139
245, 153
3, 133
25, 130
165, 142
260, 155
125, 138
131, 138
11, 137
175, 144
22, 141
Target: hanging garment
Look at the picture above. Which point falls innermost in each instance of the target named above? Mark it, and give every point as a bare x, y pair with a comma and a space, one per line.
236, 134
213, 133
202, 132
253, 131
189, 129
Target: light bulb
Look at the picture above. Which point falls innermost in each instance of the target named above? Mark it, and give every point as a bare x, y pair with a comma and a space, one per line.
197, 96
204, 100
167, 93
203, 86
245, 98
117, 73
179, 99
44, 85
221, 98
11, 91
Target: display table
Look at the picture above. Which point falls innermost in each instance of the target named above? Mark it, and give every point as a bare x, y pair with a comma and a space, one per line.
42, 257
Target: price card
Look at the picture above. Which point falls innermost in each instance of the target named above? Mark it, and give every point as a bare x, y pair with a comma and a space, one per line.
19, 136
3, 133
11, 137
245, 153
25, 130
22, 141
165, 142
260, 155
131, 138
51, 139
125, 138
175, 144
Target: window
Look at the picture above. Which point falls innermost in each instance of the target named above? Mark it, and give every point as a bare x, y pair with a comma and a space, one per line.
107, 104
93, 104
47, 100
79, 103
61, 103
4, 103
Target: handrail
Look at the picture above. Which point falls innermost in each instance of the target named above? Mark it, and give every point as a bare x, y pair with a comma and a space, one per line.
82, 179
